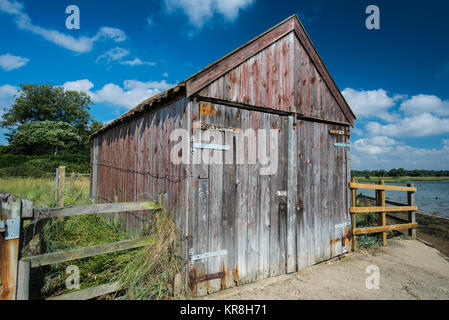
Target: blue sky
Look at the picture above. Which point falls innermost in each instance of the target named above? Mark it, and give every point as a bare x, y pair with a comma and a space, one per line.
396, 79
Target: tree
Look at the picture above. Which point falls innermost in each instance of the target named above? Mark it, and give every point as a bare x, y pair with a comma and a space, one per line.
44, 137
47, 102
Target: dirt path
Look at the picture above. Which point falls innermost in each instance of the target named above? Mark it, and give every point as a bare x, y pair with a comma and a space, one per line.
408, 270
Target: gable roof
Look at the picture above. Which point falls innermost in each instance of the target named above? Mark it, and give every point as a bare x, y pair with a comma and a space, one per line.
292, 24
213, 71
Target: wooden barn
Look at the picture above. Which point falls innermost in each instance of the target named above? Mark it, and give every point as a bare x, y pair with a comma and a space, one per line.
238, 220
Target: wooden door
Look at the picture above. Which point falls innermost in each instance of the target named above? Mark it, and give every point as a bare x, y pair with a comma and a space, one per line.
240, 210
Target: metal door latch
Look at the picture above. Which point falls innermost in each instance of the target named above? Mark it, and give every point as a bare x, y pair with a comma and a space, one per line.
11, 227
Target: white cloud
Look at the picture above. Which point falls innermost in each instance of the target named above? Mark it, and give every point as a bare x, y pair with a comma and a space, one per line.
369, 103
137, 62
80, 85
423, 125
375, 145
79, 45
384, 153
150, 22
9, 62
200, 11
117, 54
423, 103
130, 95
7, 93
114, 54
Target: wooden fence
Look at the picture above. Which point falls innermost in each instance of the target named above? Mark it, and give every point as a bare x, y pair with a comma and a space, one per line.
381, 208
15, 271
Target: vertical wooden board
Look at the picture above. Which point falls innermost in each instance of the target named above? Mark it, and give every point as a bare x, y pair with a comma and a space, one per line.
341, 190
192, 194
270, 69
325, 191
332, 200
202, 233
337, 196
215, 217
277, 84
292, 155
278, 215
308, 194
346, 195
317, 193
253, 207
256, 98
229, 207
241, 236
286, 71
301, 221
263, 79
348, 198
282, 185
264, 207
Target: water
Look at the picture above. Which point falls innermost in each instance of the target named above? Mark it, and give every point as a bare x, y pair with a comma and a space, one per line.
432, 196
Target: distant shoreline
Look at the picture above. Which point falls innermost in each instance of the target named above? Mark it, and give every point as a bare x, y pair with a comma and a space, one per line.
400, 179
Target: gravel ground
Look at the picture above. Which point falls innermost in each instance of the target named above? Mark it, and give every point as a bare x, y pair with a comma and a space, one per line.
408, 269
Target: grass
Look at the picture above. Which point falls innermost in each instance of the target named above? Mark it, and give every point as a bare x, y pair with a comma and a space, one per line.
147, 272
400, 179
41, 191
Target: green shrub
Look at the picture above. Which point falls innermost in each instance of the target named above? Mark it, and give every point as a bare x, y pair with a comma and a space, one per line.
38, 166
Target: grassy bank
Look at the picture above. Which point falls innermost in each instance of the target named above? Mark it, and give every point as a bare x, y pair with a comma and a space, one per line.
400, 179
41, 191
147, 272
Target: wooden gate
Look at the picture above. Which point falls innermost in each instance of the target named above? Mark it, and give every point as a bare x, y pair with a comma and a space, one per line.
15, 271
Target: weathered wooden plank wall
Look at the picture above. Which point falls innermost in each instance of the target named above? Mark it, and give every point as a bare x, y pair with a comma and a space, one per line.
133, 164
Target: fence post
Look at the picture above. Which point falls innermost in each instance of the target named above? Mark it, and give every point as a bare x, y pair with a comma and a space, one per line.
10, 213
354, 216
412, 214
60, 186
383, 216
23, 280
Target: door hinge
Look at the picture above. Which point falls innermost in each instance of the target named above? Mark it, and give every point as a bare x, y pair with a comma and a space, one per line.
194, 279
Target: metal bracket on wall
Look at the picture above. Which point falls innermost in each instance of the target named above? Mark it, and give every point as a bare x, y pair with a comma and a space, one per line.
11, 227
210, 146
206, 255
344, 145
